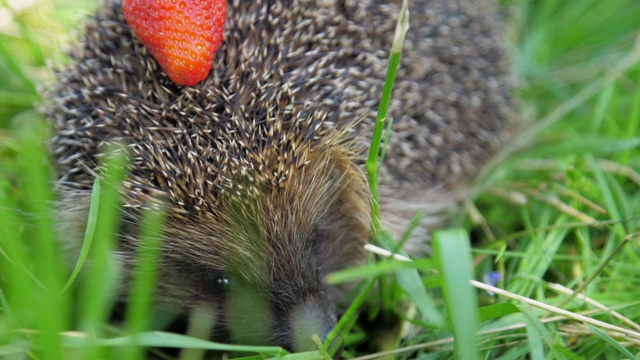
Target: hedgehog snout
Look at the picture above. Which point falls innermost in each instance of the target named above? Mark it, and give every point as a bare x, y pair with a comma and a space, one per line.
288, 319
312, 317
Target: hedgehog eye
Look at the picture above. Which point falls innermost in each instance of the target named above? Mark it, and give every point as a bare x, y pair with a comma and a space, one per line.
220, 281
223, 283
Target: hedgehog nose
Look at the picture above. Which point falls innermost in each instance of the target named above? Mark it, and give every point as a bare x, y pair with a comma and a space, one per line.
312, 317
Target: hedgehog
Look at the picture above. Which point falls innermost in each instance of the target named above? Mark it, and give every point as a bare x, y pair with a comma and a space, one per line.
261, 164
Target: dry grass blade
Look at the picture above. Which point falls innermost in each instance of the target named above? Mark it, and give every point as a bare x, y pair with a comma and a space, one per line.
619, 169
577, 197
561, 206
556, 310
598, 270
581, 330
528, 301
562, 289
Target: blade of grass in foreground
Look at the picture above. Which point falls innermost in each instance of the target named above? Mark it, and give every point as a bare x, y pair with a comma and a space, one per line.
408, 280
372, 162
88, 235
374, 151
375, 269
145, 278
18, 282
171, 340
311, 355
50, 308
453, 257
609, 340
411, 283
101, 277
402, 27
535, 334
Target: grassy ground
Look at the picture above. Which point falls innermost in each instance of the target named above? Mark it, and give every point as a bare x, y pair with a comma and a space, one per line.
557, 215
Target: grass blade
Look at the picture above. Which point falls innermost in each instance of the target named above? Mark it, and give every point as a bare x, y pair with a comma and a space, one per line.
103, 274
495, 311
453, 258
145, 278
402, 27
88, 235
51, 309
171, 340
609, 340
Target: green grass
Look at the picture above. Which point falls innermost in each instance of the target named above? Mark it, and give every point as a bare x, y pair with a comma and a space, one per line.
557, 213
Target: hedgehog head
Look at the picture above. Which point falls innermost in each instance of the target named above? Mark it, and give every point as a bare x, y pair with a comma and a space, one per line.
259, 261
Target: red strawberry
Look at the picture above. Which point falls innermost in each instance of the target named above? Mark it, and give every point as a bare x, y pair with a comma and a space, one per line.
183, 35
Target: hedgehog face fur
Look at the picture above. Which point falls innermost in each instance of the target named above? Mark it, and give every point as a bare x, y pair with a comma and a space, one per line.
231, 258
261, 163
